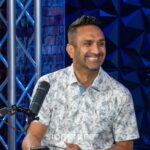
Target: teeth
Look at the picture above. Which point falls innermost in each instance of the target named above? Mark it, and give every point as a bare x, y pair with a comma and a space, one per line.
93, 58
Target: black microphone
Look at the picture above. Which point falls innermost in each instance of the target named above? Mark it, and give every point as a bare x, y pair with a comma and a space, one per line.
39, 96
38, 99
34, 107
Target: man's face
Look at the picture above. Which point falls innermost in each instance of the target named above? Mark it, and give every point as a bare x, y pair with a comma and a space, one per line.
89, 50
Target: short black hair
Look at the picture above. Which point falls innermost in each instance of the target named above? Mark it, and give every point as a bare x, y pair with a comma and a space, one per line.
82, 21
85, 20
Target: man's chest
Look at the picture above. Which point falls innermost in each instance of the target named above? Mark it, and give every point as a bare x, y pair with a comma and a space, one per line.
89, 111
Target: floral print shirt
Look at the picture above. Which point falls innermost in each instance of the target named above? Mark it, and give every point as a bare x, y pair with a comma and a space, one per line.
94, 118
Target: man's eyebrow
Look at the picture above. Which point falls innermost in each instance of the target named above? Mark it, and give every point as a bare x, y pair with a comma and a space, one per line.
93, 40
88, 40
102, 40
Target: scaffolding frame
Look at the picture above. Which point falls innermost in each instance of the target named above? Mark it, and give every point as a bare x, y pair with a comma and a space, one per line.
10, 63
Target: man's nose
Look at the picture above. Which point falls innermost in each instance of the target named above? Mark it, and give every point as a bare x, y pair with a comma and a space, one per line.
95, 48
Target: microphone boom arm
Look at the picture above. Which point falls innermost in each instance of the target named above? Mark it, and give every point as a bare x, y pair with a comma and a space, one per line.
13, 109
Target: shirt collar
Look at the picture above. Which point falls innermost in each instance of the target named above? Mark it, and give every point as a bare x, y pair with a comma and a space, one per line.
72, 75
96, 83
98, 80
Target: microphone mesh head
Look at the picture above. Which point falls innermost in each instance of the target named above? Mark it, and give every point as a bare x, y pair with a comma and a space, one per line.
39, 97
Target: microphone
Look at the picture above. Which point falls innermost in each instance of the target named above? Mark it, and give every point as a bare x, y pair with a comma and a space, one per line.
39, 96
38, 99
35, 106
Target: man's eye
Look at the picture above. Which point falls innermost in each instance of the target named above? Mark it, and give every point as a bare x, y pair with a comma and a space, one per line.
101, 43
87, 44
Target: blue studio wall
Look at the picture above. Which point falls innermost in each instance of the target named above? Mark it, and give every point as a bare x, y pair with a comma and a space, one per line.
126, 24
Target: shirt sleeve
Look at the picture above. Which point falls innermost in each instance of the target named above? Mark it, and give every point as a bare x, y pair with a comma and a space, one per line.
125, 124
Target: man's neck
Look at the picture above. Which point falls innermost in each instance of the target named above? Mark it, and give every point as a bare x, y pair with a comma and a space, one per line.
86, 78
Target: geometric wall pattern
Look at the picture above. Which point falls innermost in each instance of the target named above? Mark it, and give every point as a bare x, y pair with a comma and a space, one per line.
126, 25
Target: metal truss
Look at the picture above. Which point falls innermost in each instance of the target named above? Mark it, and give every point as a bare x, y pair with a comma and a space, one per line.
22, 46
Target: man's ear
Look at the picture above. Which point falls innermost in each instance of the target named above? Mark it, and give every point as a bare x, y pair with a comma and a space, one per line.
70, 50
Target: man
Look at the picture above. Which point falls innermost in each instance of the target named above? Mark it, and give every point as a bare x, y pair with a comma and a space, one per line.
85, 108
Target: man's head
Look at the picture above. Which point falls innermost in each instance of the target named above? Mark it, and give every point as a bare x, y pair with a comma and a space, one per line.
86, 44
82, 21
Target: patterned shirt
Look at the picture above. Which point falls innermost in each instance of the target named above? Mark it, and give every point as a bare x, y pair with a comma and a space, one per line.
94, 118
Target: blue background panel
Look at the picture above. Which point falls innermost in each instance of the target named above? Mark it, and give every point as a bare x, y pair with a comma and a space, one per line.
126, 25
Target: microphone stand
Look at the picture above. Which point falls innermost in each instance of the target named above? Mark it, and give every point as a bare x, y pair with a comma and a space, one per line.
26, 111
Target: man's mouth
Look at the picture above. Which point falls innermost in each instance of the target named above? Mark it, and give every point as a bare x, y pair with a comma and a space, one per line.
93, 58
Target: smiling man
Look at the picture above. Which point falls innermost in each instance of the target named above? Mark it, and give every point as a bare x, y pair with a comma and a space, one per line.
87, 49
85, 108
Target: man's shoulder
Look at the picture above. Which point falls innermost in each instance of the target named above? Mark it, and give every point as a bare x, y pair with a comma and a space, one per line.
114, 84
56, 75
119, 94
